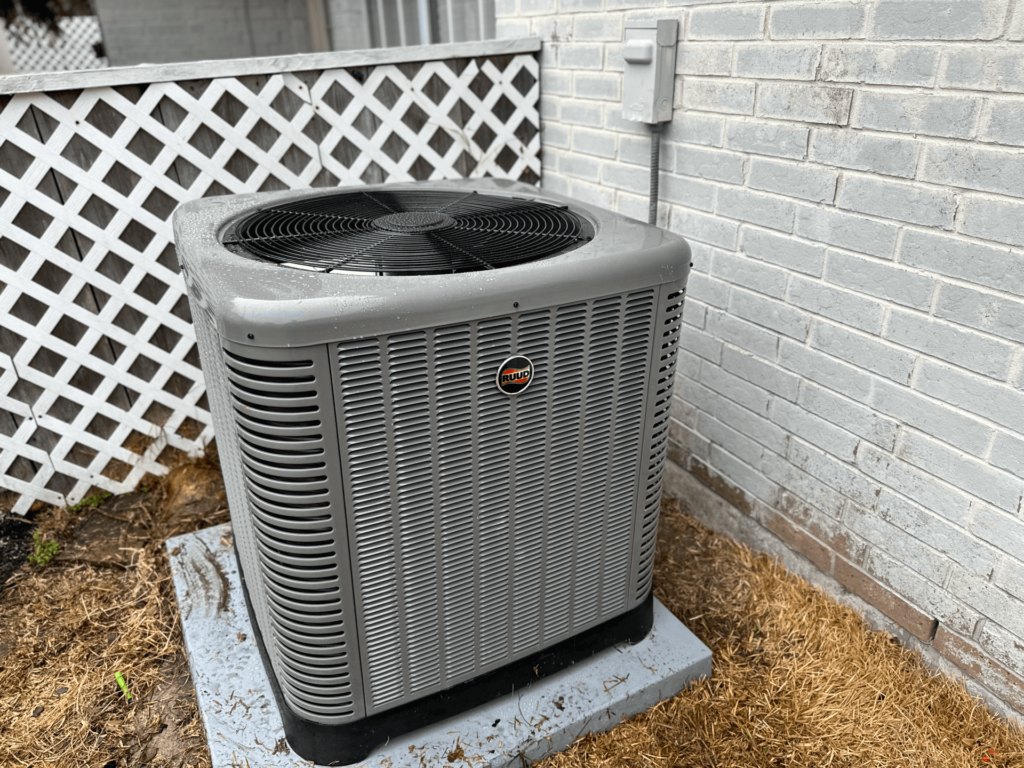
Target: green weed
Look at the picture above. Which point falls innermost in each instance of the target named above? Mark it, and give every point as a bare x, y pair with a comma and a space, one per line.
44, 550
92, 501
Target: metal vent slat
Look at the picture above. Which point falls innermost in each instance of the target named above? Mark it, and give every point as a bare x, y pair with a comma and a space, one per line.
278, 408
670, 316
486, 527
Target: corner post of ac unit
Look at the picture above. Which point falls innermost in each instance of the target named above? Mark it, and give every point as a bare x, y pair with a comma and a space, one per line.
648, 85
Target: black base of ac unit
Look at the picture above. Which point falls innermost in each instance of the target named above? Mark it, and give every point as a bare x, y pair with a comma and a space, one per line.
352, 742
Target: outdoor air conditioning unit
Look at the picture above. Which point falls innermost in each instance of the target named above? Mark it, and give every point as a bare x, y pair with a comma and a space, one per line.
442, 413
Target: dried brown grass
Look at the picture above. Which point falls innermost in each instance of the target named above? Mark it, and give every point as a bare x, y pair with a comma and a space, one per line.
65, 629
799, 679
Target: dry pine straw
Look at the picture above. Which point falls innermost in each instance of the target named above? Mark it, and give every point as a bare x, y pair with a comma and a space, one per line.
799, 680
66, 629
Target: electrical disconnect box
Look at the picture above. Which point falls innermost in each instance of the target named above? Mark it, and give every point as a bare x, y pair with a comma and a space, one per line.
650, 69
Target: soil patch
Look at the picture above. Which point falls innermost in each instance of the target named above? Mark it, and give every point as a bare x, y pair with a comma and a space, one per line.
15, 544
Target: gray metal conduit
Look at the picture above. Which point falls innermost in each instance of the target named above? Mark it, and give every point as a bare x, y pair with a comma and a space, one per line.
652, 213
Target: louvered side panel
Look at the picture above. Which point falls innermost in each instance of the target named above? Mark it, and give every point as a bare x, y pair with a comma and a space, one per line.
413, 476
493, 468
365, 437
454, 393
529, 510
487, 527
567, 369
283, 417
625, 449
664, 355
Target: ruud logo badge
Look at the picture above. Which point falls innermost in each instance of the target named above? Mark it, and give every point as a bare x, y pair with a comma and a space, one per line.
514, 375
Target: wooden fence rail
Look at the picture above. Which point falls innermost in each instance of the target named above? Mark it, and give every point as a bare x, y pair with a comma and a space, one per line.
99, 375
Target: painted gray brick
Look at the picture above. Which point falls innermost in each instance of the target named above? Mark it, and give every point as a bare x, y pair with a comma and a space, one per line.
772, 212
704, 59
739, 391
757, 428
725, 96
894, 200
952, 541
593, 142
757, 276
684, 436
743, 475
726, 23
864, 152
948, 342
998, 402
875, 278
697, 394
1004, 123
701, 344
735, 443
906, 549
627, 177
845, 230
537, 7
988, 312
604, 26
919, 486
688, 364
1001, 644
834, 473
579, 166
637, 151
864, 351
982, 264
748, 336
994, 486
950, 116
998, 529
932, 417
814, 429
987, 170
581, 113
710, 164
818, 22
594, 194
879, 64
549, 108
696, 129
708, 290
803, 180
939, 19
827, 371
580, 56
983, 68
555, 135
707, 229
694, 313
838, 304
776, 315
800, 484
851, 416
689, 192
922, 592
597, 86
1008, 453
999, 220
806, 103
784, 251
768, 139
764, 375
978, 592
700, 256
777, 60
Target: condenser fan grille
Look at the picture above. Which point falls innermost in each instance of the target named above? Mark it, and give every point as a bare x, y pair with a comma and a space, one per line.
408, 232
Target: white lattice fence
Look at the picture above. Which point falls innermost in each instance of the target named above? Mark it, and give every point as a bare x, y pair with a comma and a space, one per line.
99, 375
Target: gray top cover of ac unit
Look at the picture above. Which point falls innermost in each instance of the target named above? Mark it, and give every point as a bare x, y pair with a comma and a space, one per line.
287, 307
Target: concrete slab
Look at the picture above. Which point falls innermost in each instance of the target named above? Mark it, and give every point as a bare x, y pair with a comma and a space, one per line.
244, 728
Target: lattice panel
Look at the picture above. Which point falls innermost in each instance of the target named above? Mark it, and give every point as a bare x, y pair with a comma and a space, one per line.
33, 49
99, 374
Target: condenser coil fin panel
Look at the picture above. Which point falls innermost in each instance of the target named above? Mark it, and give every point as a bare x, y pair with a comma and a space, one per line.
486, 527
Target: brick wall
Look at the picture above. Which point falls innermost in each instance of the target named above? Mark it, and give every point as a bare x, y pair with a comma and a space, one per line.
156, 31
851, 178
